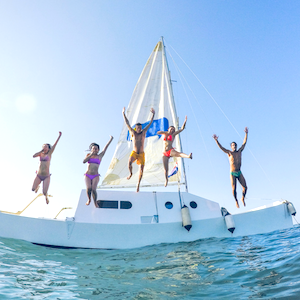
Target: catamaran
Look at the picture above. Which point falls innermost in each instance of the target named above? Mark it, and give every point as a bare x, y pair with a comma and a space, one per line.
127, 219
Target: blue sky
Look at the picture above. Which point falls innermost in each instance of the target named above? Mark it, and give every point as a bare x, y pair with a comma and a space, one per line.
71, 66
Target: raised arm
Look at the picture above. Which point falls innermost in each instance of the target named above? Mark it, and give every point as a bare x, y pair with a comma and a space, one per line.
38, 154
182, 127
245, 140
127, 122
162, 132
220, 146
147, 127
106, 146
53, 147
88, 156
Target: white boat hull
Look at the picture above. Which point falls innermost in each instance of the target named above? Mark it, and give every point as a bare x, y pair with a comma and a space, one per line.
128, 233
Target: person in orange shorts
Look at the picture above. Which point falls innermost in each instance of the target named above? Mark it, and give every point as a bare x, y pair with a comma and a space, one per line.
139, 158
138, 138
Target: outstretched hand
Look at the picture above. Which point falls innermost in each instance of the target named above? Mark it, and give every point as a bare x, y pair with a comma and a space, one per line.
123, 111
246, 129
215, 137
152, 110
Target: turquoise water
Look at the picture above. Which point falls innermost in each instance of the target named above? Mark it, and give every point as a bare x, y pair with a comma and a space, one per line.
256, 267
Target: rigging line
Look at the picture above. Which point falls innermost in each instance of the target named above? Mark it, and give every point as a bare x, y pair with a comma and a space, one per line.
179, 72
296, 220
224, 115
266, 199
208, 93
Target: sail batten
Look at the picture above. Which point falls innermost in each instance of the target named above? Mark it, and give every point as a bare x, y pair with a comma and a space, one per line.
153, 90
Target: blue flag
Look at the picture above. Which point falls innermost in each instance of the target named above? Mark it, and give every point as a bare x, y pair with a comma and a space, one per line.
157, 125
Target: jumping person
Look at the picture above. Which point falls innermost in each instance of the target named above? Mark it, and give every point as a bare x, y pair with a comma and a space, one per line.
138, 138
92, 176
235, 161
169, 151
43, 174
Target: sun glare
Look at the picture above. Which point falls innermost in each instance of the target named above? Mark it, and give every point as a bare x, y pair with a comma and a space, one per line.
25, 103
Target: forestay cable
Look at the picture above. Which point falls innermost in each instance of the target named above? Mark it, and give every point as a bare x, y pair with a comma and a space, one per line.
180, 75
222, 113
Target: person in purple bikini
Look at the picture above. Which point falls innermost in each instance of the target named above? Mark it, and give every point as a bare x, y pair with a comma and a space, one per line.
43, 174
92, 176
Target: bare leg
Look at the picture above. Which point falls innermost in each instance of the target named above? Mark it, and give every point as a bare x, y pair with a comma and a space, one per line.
140, 177
130, 161
166, 167
244, 185
233, 185
36, 184
180, 154
88, 184
46, 184
95, 182
37, 188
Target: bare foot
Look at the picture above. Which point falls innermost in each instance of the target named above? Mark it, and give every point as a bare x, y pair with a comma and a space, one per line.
37, 188
88, 202
243, 200
47, 200
137, 188
191, 156
237, 204
129, 176
166, 183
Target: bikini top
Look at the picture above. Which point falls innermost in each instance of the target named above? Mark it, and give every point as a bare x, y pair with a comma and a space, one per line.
44, 158
94, 161
169, 138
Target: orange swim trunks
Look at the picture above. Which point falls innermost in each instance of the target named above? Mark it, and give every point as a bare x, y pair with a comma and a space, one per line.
140, 158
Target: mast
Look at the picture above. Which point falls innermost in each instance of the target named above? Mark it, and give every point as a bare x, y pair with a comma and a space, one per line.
177, 125
153, 90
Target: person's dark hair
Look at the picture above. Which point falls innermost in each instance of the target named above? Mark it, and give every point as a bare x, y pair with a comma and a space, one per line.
48, 145
233, 143
94, 144
138, 124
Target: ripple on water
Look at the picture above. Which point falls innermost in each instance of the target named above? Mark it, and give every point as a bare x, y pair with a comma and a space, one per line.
255, 267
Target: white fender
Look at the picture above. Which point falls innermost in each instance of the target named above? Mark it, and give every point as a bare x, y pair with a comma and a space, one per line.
230, 223
291, 208
186, 218
228, 220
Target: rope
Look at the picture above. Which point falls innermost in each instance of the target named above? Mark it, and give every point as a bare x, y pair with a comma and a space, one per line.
273, 186
296, 220
180, 75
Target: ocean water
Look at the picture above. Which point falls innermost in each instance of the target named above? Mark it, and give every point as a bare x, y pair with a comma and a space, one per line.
263, 266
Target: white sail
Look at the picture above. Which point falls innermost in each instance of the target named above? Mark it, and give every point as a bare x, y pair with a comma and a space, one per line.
153, 90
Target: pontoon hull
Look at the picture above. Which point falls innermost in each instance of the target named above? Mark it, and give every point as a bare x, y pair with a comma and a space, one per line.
78, 234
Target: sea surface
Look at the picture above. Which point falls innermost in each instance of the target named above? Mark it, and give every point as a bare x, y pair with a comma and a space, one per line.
265, 266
